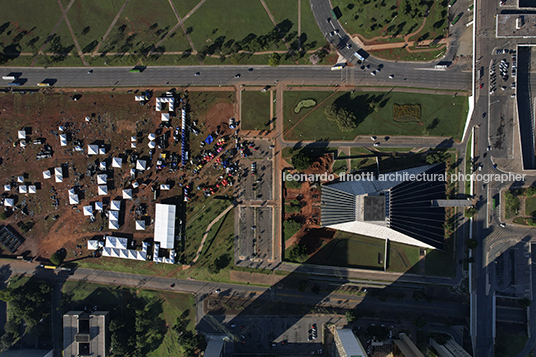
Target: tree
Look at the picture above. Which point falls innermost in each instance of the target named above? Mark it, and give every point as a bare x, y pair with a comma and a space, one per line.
56, 259
345, 119
351, 316
301, 161
436, 157
298, 253
531, 191
472, 243
471, 212
274, 59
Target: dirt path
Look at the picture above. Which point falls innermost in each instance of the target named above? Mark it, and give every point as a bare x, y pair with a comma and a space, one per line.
110, 28
207, 231
80, 53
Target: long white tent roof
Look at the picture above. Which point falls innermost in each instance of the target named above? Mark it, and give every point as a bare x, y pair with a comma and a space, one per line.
164, 225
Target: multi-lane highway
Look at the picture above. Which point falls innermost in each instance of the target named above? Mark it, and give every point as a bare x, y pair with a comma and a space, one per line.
415, 76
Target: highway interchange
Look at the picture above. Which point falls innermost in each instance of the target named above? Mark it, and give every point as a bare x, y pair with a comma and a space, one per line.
413, 75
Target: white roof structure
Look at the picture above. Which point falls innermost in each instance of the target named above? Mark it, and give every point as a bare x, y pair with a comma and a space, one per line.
7, 187
71, 191
113, 225
94, 244
115, 205
9, 202
151, 144
140, 225
132, 172
126, 253
139, 98
117, 162
102, 165
151, 136
116, 242
88, 211
22, 134
20, 179
63, 140
102, 151
99, 206
32, 189
133, 145
113, 215
132, 138
23, 189
165, 117
349, 343
141, 165
127, 194
92, 149
101, 179
47, 174
73, 200
161, 100
102, 190
164, 187
164, 226
59, 178
58, 173
135, 184
158, 259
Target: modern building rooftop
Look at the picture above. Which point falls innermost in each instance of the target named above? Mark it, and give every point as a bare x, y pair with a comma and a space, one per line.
85, 334
397, 206
515, 26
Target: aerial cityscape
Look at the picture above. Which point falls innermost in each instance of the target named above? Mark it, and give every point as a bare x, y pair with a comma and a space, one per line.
214, 178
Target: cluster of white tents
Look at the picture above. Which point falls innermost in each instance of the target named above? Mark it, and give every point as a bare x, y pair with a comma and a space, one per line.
157, 259
162, 100
95, 150
118, 248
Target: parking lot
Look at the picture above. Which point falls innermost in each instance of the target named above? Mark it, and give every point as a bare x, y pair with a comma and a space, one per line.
255, 233
285, 335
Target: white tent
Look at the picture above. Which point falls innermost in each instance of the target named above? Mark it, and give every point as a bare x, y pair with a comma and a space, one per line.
164, 226
151, 144
133, 138
101, 179
88, 211
132, 172
22, 134
133, 145
102, 165
59, 178
88, 119
127, 194
116, 242
164, 187
140, 225
98, 206
20, 179
46, 174
32, 189
63, 140
165, 117
113, 215
23, 189
9, 202
151, 136
115, 205
135, 184
92, 244
141, 165
7, 187
102, 151
103, 190
92, 149
117, 162
71, 191
73, 199
113, 225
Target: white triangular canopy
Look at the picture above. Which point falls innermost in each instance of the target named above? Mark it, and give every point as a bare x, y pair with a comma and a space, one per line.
22, 134
59, 178
9, 202
115, 205
92, 149
113, 225
140, 225
92, 244
164, 187
102, 165
103, 190
101, 179
7, 187
117, 162
127, 194
141, 165
32, 189
98, 206
151, 144
151, 136
73, 199
46, 174
23, 189
113, 215
20, 179
88, 211
102, 151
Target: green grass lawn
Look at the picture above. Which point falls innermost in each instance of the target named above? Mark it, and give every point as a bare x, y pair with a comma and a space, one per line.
530, 206
341, 163
442, 115
255, 110
403, 258
76, 295
351, 250
401, 54
183, 7
468, 165
388, 18
361, 159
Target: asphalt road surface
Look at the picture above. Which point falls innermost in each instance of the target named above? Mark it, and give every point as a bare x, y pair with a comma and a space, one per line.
421, 75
